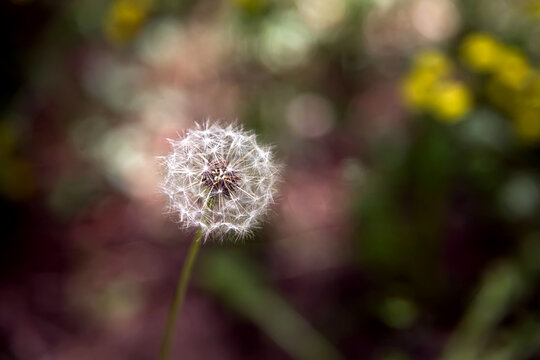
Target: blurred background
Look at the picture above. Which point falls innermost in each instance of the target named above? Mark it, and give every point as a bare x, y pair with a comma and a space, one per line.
408, 224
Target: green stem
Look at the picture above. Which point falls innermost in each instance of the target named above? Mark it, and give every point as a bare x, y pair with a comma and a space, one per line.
165, 349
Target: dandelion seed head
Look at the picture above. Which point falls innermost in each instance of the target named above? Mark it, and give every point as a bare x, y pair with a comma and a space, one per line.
220, 179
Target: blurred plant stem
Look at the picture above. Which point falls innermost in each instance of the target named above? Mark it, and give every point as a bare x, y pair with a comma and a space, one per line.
236, 280
166, 342
501, 287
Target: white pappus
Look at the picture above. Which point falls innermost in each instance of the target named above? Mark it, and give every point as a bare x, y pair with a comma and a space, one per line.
219, 179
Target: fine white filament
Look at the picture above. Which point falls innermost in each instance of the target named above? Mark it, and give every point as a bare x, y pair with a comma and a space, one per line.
219, 179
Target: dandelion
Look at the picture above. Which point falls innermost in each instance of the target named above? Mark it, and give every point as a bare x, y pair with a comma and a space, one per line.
220, 180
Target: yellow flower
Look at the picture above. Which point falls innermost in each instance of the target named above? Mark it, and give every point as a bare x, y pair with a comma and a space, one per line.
432, 61
428, 68
427, 87
480, 52
124, 19
416, 88
450, 101
513, 69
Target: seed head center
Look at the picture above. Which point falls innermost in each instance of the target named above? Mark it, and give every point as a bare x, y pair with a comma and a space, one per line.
220, 178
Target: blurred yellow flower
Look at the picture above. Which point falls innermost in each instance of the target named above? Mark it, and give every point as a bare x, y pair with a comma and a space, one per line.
428, 87
124, 19
432, 61
450, 101
428, 68
513, 69
416, 88
480, 52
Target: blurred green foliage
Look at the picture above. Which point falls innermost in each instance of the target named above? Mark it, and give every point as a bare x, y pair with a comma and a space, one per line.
236, 280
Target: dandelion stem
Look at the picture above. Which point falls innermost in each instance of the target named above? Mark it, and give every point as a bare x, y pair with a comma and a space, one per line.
166, 342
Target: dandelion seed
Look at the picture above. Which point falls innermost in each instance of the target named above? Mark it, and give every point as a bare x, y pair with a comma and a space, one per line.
217, 178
